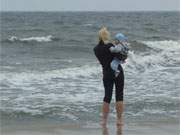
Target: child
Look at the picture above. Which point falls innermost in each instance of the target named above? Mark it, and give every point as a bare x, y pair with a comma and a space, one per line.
120, 46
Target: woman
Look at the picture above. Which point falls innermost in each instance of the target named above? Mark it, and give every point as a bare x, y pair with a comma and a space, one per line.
105, 57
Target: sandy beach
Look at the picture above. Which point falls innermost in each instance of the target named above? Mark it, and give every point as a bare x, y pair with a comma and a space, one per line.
166, 127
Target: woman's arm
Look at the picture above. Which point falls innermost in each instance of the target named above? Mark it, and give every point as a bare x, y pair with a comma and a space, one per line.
118, 55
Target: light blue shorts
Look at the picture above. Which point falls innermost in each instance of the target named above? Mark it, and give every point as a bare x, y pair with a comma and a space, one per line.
115, 63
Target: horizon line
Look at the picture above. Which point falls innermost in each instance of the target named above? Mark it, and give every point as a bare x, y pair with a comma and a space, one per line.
89, 10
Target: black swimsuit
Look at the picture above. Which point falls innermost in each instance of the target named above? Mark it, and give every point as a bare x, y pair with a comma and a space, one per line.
105, 57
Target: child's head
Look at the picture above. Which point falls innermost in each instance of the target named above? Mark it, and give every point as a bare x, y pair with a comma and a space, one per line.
120, 38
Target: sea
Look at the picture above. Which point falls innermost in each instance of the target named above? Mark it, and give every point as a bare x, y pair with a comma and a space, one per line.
49, 71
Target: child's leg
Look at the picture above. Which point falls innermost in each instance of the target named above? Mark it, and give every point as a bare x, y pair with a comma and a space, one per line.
115, 64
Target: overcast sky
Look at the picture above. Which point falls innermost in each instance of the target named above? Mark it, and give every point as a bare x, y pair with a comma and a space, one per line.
89, 5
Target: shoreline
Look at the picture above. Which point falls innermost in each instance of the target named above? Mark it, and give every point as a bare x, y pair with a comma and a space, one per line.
162, 127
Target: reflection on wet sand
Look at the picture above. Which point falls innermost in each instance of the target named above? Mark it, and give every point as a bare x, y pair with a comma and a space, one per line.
119, 130
106, 132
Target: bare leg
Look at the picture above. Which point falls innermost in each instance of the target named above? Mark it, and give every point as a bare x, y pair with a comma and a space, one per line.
119, 111
105, 130
119, 130
105, 112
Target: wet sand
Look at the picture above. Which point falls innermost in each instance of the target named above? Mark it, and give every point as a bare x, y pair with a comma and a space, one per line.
168, 127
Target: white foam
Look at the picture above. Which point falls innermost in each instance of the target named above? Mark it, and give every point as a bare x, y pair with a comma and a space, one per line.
167, 45
48, 38
168, 53
88, 24
26, 78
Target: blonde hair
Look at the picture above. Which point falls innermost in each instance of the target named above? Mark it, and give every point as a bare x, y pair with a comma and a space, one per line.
104, 35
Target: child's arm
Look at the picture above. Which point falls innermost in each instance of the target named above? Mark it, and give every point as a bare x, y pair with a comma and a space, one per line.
116, 49
125, 49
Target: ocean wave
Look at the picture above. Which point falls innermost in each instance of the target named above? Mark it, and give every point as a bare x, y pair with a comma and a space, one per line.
167, 54
48, 38
59, 113
167, 45
162, 54
24, 78
63, 94
148, 29
76, 111
138, 46
88, 24
169, 50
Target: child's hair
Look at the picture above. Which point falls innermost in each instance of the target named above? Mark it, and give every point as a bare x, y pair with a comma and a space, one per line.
104, 35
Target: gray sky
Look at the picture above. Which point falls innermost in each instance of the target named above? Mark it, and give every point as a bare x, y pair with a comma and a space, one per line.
89, 5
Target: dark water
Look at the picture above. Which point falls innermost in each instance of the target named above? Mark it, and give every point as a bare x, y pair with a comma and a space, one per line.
49, 71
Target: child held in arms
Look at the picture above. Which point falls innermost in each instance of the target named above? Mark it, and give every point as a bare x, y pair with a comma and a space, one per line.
120, 46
